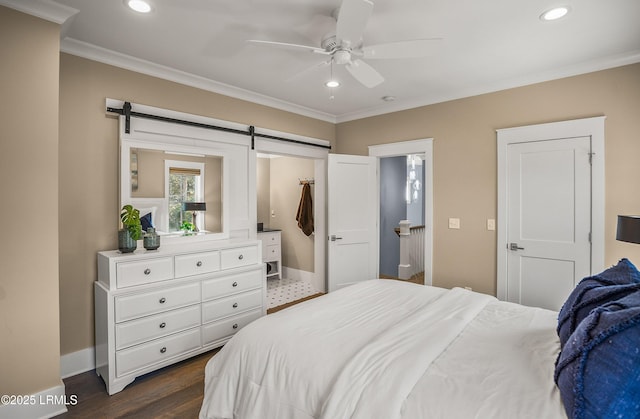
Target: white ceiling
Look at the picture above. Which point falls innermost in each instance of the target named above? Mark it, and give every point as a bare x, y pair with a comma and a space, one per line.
486, 46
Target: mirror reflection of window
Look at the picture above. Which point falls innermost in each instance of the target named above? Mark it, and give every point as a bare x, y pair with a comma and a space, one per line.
186, 184
202, 181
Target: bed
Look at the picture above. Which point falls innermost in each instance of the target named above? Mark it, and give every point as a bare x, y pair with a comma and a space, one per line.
389, 349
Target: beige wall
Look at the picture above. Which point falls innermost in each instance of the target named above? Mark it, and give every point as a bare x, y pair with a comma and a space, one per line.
29, 323
297, 249
89, 167
465, 160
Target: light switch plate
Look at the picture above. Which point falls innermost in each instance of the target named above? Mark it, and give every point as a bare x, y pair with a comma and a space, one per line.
454, 223
491, 224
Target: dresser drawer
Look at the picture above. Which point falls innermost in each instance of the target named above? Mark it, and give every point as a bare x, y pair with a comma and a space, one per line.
139, 331
152, 302
271, 253
240, 256
197, 263
228, 306
141, 356
224, 328
231, 284
269, 238
141, 272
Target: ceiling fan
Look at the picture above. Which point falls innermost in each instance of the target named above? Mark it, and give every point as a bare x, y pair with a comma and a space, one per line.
345, 46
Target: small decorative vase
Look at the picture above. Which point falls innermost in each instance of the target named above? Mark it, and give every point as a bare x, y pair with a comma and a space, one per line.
151, 239
125, 243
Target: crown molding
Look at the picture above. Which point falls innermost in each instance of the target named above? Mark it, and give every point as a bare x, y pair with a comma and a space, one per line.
44, 9
605, 63
106, 56
57, 13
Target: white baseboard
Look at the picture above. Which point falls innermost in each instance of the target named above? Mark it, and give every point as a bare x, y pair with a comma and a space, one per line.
297, 274
45, 404
53, 401
78, 362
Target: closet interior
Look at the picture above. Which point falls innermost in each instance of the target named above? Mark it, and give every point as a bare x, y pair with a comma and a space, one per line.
285, 194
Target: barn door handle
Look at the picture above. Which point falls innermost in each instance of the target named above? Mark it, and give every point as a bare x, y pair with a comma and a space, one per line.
514, 246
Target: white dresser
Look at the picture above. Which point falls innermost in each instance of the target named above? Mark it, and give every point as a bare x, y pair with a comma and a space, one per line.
272, 252
155, 308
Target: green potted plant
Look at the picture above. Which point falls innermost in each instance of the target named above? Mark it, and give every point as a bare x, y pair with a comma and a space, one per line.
131, 229
187, 227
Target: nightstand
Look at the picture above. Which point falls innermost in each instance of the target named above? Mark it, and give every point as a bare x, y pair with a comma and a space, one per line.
272, 252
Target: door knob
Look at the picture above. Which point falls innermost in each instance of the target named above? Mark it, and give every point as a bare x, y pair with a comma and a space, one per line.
514, 246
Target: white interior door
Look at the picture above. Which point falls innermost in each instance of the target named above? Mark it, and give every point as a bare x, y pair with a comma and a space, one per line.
352, 220
548, 220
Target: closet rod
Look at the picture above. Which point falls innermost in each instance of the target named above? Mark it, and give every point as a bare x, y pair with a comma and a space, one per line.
128, 113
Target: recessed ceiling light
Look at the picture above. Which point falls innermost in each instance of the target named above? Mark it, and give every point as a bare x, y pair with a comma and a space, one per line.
388, 98
139, 6
554, 14
332, 83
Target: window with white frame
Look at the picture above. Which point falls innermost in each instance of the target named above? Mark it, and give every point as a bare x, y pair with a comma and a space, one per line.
184, 181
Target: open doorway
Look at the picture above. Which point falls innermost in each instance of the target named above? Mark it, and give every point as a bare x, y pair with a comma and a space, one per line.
421, 182
288, 249
319, 156
402, 225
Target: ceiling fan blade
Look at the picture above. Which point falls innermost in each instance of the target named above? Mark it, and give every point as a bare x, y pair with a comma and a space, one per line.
415, 48
308, 70
284, 45
352, 19
364, 73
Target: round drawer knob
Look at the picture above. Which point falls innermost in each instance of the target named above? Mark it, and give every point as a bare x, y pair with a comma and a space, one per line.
241, 257
163, 350
162, 300
163, 325
199, 264
147, 271
235, 284
235, 326
235, 305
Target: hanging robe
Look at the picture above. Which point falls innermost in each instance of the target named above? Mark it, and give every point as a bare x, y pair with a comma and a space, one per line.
304, 216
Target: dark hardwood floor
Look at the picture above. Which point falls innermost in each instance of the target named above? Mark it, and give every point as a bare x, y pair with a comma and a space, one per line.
175, 391
416, 279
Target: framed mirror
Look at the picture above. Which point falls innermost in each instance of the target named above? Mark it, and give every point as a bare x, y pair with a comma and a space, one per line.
180, 190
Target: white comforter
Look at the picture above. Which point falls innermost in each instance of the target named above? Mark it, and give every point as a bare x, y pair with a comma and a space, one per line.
386, 349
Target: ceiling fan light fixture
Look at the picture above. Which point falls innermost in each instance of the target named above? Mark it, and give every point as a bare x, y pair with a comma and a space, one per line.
332, 83
139, 6
554, 14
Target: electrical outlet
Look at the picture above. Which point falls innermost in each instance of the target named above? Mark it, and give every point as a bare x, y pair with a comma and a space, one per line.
454, 223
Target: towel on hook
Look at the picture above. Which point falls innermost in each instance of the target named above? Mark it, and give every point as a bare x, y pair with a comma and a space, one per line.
304, 217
